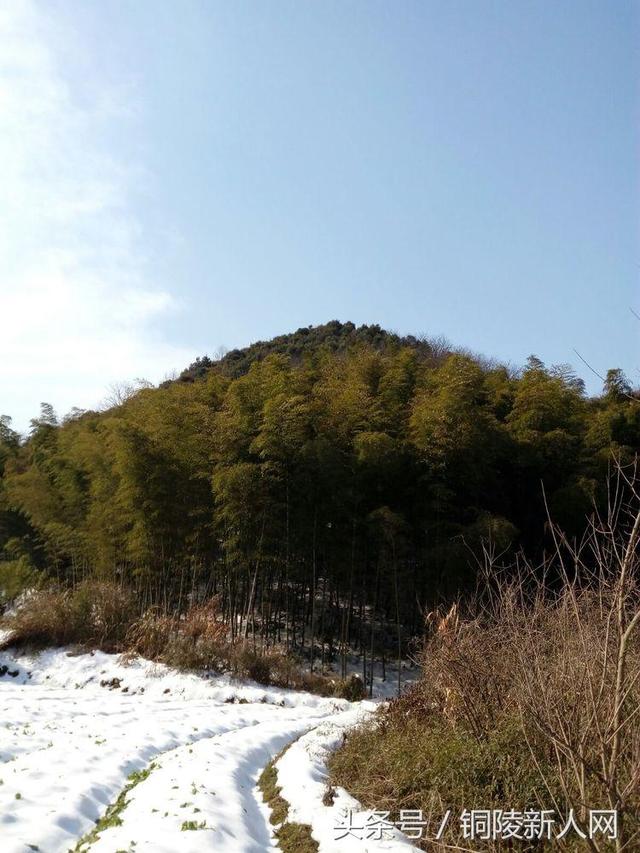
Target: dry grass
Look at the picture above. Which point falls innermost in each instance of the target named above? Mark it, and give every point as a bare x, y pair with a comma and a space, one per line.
95, 614
101, 615
403, 763
531, 698
195, 640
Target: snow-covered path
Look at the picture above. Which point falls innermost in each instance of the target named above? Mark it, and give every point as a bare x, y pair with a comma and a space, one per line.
74, 728
204, 797
68, 745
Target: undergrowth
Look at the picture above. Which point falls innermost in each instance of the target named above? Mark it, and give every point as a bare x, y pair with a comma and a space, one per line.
101, 615
530, 700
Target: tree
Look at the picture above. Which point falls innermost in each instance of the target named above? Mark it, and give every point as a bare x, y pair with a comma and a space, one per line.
616, 385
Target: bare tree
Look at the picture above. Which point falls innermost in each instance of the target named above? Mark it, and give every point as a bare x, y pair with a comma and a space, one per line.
120, 392
556, 646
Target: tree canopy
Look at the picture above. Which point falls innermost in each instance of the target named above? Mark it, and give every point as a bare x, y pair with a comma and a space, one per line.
338, 468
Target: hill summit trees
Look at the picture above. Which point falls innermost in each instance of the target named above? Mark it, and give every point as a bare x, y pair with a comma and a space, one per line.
326, 485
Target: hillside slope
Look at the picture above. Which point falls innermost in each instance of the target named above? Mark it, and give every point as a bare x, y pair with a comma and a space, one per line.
327, 487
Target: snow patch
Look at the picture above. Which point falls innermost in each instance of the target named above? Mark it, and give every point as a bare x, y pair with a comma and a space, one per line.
74, 727
303, 777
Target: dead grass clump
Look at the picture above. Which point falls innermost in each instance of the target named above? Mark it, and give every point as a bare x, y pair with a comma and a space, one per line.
246, 662
352, 688
107, 609
95, 614
314, 682
278, 667
42, 620
195, 640
148, 636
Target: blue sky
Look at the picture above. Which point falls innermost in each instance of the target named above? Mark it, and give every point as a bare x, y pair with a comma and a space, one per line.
176, 177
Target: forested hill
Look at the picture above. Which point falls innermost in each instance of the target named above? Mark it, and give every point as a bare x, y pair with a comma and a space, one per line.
321, 479
309, 341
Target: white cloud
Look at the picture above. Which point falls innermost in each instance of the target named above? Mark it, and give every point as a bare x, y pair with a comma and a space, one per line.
77, 308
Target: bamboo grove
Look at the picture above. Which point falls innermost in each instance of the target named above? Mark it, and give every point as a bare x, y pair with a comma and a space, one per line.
327, 487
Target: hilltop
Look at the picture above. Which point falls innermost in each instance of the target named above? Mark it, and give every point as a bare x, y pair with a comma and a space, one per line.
331, 337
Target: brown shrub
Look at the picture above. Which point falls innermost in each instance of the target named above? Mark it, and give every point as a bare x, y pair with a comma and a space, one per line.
107, 609
103, 615
352, 688
94, 613
278, 667
313, 682
42, 620
530, 698
195, 640
148, 636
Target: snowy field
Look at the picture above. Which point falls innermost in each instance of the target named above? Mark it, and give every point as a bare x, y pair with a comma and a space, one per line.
73, 728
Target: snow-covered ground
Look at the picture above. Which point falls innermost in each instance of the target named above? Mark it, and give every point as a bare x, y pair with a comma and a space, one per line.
340, 827
73, 728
